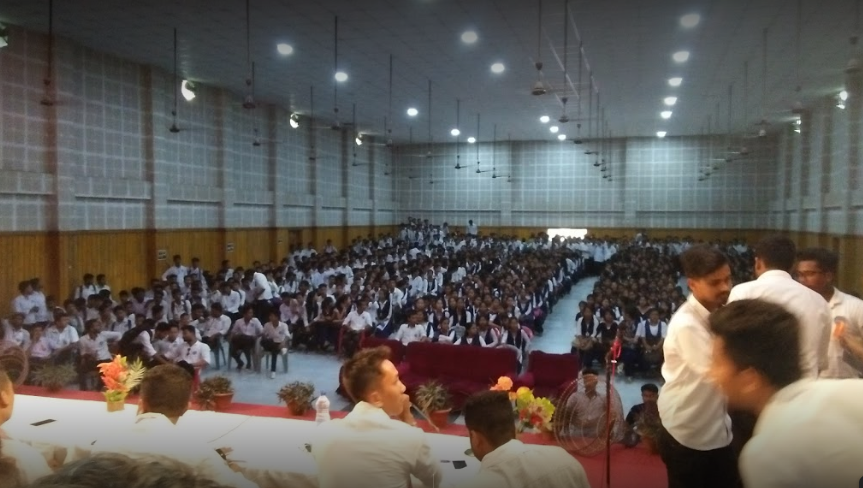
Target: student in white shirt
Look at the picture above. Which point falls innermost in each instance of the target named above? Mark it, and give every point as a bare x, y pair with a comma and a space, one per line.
369, 448
15, 332
695, 439
193, 355
63, 339
168, 341
275, 340
93, 351
243, 336
412, 331
809, 433
165, 392
26, 303
87, 288
506, 461
40, 347
122, 323
356, 324
216, 327
774, 258
816, 269
27, 464
178, 271
651, 335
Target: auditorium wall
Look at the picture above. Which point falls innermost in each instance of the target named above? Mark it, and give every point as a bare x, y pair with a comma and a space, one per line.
654, 184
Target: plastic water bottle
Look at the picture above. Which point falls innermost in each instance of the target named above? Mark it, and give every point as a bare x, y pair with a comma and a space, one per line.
322, 405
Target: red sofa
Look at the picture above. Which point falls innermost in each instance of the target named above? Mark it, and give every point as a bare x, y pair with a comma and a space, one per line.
549, 374
464, 370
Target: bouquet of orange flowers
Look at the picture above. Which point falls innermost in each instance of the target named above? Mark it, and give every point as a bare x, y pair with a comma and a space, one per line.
530, 411
120, 377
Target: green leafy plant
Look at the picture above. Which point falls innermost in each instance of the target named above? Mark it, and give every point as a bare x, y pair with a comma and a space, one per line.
54, 376
432, 396
206, 394
297, 395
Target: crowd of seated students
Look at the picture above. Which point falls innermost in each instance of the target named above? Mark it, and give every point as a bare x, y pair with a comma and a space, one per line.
637, 292
425, 284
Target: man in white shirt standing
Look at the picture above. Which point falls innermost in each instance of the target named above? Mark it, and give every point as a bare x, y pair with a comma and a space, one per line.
816, 269
369, 448
177, 270
472, 229
809, 433
774, 258
505, 461
263, 294
695, 440
165, 392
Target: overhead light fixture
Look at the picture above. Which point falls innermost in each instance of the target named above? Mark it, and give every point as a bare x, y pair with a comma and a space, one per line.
544, 119
689, 21
680, 56
665, 114
670, 101
359, 140
798, 126
497, 68
469, 37
561, 137
471, 140
455, 132
843, 95
284, 49
412, 112
341, 76
554, 129
661, 134
676, 81
4, 36
294, 121
187, 89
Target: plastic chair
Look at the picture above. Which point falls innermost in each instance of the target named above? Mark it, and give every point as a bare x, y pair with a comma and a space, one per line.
259, 354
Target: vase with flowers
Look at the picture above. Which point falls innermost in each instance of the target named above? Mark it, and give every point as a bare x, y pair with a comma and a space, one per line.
532, 413
120, 378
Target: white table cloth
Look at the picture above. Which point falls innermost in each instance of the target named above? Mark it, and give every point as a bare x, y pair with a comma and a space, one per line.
269, 451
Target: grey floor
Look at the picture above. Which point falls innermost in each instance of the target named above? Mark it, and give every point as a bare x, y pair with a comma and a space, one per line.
323, 370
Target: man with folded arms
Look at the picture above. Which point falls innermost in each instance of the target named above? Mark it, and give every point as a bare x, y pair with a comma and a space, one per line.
378, 443
808, 433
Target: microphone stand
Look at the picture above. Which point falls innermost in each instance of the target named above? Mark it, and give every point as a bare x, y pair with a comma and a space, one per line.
610, 371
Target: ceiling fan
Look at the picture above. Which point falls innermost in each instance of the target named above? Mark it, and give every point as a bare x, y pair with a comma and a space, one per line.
249, 101
538, 87
48, 98
563, 117
458, 137
174, 129
358, 139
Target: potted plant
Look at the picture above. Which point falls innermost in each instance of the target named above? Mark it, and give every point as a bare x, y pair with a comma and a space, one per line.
54, 377
297, 396
215, 393
433, 399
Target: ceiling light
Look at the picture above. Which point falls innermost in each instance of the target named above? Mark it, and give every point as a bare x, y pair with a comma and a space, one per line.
471, 140
843, 95
412, 112
341, 76
665, 114
676, 81
661, 134
840, 105
497, 68
670, 101
187, 88
689, 21
561, 137
295, 121
455, 132
284, 49
469, 37
553, 129
680, 56
544, 119
359, 140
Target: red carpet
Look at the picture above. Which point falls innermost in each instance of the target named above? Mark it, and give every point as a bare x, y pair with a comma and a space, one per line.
629, 467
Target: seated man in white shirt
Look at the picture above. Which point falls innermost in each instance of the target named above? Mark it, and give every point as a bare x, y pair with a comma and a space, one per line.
15, 331
275, 339
412, 331
357, 323
505, 461
243, 336
808, 433
193, 355
24, 464
165, 392
63, 339
93, 351
368, 448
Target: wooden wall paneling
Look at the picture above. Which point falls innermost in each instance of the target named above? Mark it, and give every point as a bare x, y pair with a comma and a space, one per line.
121, 256
25, 258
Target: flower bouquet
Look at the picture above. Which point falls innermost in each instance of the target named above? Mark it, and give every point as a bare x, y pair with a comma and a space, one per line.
531, 412
120, 378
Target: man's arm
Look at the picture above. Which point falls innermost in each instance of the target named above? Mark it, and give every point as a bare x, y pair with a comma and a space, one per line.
427, 468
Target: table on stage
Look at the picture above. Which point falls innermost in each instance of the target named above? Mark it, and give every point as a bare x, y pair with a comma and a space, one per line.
269, 451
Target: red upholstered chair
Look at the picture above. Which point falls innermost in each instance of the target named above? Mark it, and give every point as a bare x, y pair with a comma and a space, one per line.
548, 374
397, 354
